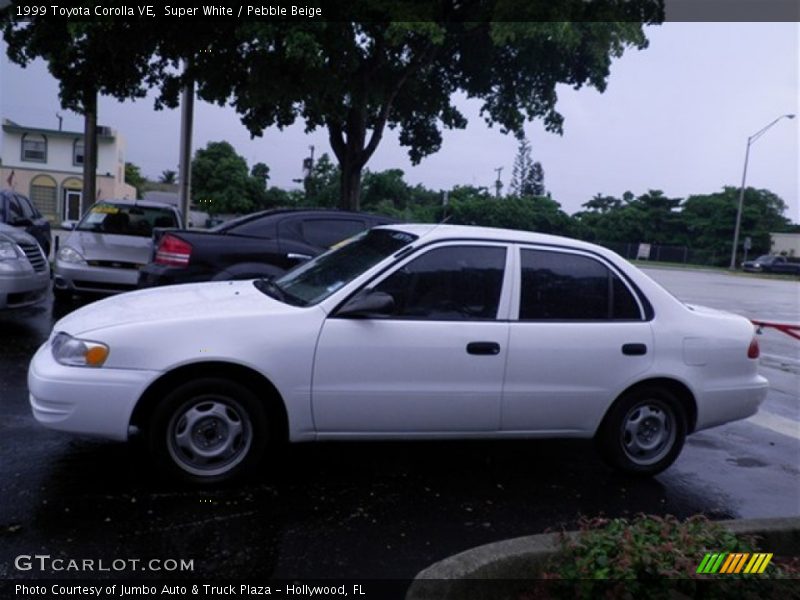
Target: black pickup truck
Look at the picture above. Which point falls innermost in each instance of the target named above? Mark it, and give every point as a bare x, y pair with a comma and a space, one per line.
264, 244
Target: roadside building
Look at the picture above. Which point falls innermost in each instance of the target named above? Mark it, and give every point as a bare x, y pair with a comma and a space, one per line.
47, 166
786, 244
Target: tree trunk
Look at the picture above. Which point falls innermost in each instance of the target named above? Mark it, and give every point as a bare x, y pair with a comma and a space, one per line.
350, 185
89, 192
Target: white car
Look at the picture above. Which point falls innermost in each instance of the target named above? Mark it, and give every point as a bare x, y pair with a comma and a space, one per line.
403, 332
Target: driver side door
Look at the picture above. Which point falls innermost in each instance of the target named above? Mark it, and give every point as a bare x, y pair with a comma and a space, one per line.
435, 364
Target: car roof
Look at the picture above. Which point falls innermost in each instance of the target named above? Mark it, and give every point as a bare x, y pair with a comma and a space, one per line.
282, 212
434, 232
140, 203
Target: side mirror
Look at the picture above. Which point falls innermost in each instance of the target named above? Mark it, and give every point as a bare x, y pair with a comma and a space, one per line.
367, 304
22, 222
68, 225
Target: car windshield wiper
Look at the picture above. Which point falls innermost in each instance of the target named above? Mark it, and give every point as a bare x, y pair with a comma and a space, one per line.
273, 290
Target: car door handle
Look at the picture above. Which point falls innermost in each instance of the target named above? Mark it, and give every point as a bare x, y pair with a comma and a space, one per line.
490, 348
298, 256
634, 349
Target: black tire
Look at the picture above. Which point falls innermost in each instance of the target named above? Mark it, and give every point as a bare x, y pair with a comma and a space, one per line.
643, 432
208, 431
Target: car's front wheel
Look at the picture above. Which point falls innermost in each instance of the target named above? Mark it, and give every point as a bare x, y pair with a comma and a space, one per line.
208, 430
644, 431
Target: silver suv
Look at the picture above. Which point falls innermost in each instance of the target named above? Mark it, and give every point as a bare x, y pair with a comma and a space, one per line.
24, 270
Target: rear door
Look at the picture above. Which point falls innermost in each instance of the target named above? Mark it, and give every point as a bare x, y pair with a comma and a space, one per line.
580, 337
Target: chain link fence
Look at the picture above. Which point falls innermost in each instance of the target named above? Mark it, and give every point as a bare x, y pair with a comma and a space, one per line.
666, 253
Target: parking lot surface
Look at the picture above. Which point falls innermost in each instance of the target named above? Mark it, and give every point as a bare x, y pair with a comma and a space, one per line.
379, 510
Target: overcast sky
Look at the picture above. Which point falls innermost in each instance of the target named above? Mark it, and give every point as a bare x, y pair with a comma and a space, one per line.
675, 117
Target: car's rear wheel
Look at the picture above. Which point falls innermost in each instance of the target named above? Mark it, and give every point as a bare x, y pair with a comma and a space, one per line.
208, 430
643, 432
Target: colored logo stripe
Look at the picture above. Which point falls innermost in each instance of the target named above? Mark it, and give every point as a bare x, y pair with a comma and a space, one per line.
734, 562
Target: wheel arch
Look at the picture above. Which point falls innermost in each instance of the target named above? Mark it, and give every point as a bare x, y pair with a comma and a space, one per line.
260, 385
677, 388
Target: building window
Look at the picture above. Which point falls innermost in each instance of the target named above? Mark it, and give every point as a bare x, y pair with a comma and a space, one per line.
43, 195
77, 153
34, 148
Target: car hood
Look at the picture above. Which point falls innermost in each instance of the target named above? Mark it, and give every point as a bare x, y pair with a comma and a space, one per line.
7, 232
197, 302
109, 246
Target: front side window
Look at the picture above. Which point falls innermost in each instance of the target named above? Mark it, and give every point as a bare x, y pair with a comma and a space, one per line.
324, 233
320, 277
563, 287
452, 283
34, 148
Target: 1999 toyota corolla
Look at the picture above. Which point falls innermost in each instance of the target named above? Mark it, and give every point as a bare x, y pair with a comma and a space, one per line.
412, 331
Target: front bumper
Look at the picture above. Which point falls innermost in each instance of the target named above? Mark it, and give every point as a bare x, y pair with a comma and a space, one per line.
85, 278
85, 400
23, 288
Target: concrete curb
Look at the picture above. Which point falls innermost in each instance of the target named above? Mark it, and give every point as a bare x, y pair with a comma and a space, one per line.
517, 558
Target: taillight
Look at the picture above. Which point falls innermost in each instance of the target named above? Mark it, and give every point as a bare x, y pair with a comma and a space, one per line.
753, 350
173, 251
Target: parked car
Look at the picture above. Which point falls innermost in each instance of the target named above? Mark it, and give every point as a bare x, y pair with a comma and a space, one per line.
18, 211
264, 244
403, 332
24, 270
109, 245
769, 263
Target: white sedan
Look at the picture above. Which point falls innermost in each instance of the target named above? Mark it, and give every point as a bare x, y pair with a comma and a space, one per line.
403, 332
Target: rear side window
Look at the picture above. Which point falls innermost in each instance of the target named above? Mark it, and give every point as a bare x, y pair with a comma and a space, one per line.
453, 283
564, 287
325, 233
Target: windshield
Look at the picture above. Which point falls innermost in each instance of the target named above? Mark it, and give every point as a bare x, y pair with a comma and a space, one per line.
764, 258
124, 219
317, 279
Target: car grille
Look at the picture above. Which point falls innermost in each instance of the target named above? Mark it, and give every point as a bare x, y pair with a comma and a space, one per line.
113, 264
35, 256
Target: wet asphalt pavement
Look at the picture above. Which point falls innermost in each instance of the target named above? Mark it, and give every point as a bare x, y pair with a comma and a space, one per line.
373, 510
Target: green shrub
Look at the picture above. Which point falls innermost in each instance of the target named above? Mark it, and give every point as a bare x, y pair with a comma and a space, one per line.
655, 557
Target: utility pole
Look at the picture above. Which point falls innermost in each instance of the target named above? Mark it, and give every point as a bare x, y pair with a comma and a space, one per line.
498, 185
185, 160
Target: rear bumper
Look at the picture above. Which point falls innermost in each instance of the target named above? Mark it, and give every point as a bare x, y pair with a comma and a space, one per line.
153, 275
722, 405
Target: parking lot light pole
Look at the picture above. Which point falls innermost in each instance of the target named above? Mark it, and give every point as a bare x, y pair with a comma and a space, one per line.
750, 142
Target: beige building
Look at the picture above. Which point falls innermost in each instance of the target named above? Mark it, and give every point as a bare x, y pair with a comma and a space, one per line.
47, 166
787, 244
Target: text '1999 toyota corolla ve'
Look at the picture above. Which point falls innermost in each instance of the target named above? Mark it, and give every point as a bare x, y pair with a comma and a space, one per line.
403, 332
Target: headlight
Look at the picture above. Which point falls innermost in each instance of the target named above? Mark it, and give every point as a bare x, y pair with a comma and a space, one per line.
8, 251
71, 255
74, 352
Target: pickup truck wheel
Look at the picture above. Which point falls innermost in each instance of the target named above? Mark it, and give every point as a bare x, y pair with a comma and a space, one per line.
643, 432
208, 431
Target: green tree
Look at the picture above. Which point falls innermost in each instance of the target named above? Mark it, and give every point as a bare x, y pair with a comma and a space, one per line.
168, 176
260, 172
527, 176
710, 219
399, 68
322, 184
221, 182
385, 186
134, 177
